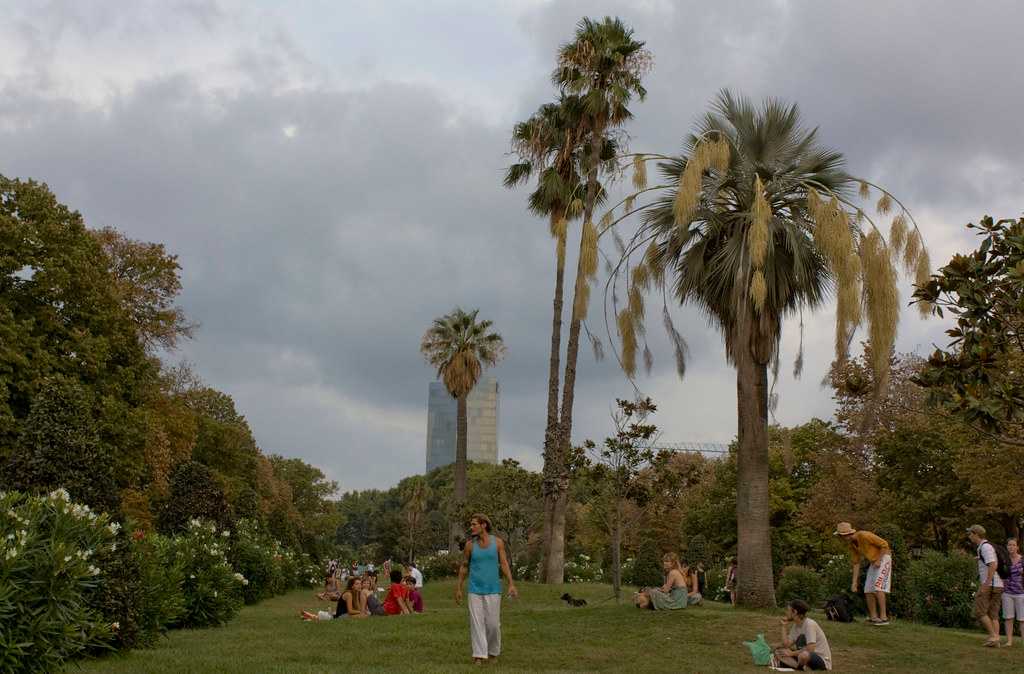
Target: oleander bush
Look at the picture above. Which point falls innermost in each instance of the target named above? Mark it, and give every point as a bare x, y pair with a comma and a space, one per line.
49, 568
252, 554
440, 565
162, 580
212, 588
582, 569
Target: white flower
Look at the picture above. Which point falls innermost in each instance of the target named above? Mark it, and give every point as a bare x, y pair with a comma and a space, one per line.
225, 533
10, 537
60, 495
245, 581
113, 547
12, 553
115, 625
114, 527
214, 593
67, 558
240, 578
93, 571
192, 576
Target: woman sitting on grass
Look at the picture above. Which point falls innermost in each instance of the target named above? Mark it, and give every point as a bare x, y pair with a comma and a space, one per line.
332, 587
673, 594
693, 594
350, 604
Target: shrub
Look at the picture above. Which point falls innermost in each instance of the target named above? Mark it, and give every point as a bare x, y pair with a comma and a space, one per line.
252, 555
440, 565
162, 581
212, 589
647, 568
119, 598
799, 582
943, 589
583, 570
715, 590
48, 569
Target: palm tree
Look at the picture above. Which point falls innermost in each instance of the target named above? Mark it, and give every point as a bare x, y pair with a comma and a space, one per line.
760, 224
552, 145
602, 66
460, 347
415, 495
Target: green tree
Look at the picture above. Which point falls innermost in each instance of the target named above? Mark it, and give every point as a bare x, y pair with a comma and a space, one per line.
460, 347
760, 225
619, 463
603, 65
978, 379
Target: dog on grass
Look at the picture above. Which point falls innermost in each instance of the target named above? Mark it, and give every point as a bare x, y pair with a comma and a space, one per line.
568, 599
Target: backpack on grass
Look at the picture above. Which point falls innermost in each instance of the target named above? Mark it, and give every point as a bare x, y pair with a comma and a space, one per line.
838, 610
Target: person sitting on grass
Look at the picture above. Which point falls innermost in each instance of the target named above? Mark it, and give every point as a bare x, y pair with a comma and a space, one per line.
694, 596
415, 598
673, 594
350, 605
397, 600
332, 587
804, 645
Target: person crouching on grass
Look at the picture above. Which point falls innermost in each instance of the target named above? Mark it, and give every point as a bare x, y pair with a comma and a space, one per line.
878, 579
804, 645
483, 556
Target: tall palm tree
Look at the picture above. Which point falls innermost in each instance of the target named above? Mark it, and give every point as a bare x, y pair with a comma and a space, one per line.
552, 145
460, 347
603, 66
762, 223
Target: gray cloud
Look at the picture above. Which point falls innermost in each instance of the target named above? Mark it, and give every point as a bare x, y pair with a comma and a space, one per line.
324, 216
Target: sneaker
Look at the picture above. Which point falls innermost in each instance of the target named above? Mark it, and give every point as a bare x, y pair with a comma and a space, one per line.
879, 621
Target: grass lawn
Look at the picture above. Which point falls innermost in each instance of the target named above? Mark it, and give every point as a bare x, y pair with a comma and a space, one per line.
540, 632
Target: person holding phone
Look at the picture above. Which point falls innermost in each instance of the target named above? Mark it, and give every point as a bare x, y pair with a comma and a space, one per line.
483, 556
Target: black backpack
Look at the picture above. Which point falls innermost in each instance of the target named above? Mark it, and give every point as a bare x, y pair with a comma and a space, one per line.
838, 610
1003, 562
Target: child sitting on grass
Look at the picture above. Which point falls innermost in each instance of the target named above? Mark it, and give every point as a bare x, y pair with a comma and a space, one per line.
415, 598
397, 600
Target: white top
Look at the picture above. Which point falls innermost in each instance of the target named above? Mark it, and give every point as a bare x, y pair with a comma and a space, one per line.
986, 556
418, 575
813, 634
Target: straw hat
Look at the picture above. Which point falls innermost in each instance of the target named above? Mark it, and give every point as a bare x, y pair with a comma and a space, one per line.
844, 529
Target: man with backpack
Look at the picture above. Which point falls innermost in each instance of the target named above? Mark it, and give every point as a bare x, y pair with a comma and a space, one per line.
988, 598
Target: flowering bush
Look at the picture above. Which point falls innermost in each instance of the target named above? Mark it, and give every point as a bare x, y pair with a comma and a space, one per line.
252, 555
583, 570
48, 568
162, 582
307, 572
440, 565
212, 588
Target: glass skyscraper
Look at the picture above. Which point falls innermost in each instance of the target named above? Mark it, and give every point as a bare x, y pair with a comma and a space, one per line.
482, 424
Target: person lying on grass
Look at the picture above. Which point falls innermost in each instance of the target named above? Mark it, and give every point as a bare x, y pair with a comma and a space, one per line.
804, 645
673, 594
350, 604
397, 600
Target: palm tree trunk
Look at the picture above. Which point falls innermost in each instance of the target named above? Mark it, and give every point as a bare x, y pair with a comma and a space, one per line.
754, 546
455, 528
551, 434
555, 557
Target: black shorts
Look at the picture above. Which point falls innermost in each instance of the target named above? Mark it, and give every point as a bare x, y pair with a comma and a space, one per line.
816, 663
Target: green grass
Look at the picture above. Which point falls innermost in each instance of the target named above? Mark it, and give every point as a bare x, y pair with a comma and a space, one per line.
540, 632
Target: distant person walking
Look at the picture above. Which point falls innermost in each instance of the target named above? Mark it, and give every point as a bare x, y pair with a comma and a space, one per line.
1013, 592
417, 575
878, 579
483, 556
987, 599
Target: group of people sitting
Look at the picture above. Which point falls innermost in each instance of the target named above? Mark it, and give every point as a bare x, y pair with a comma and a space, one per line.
683, 586
359, 598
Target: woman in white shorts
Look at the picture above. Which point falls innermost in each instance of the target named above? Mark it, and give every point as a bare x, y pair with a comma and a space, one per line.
1013, 592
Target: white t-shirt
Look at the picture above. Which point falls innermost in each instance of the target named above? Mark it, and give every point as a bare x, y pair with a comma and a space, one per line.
418, 575
986, 556
812, 634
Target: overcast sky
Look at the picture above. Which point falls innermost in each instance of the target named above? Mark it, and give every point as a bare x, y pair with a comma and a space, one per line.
329, 174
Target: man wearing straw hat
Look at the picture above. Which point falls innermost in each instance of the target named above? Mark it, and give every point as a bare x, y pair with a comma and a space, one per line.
878, 580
